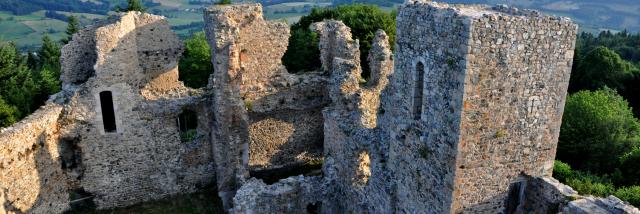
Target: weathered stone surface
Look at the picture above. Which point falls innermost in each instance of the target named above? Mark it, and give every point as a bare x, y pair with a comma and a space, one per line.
144, 158
270, 117
600, 205
291, 195
30, 182
463, 118
336, 42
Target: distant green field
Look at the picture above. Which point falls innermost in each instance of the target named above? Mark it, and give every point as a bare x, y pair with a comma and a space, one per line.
27, 30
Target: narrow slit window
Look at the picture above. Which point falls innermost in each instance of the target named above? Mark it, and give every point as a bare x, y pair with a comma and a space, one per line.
108, 113
418, 91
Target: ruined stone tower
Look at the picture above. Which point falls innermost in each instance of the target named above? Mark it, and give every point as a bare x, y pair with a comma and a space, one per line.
462, 117
486, 90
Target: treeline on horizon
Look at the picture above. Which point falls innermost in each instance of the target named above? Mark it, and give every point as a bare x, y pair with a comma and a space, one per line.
24, 7
599, 145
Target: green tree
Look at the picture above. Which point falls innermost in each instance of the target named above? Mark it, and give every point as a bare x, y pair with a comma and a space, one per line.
18, 84
630, 167
49, 54
599, 68
195, 64
48, 74
73, 27
223, 2
8, 114
364, 21
597, 128
132, 5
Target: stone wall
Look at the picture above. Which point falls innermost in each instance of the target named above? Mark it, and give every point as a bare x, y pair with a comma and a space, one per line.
544, 195
144, 157
266, 118
423, 104
297, 194
354, 165
31, 177
515, 86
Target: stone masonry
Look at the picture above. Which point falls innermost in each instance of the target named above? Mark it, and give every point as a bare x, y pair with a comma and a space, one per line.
462, 117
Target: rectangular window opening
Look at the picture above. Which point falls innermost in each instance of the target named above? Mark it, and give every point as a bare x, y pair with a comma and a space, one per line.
108, 112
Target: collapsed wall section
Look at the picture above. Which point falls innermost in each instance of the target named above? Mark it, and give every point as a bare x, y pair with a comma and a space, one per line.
354, 166
266, 118
297, 194
31, 177
124, 121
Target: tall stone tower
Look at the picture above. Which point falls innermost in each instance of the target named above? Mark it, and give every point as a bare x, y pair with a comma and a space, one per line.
476, 100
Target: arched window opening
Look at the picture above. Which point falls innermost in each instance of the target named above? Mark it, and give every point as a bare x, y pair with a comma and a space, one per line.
418, 91
188, 125
108, 112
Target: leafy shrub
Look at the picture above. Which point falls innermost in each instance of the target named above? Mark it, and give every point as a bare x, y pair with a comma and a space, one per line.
195, 64
584, 183
598, 127
630, 167
590, 185
629, 194
562, 171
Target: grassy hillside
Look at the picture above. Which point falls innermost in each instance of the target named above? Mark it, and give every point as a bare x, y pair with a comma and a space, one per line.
27, 24
26, 21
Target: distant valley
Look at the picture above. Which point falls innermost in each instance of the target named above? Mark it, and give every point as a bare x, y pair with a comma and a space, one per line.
26, 21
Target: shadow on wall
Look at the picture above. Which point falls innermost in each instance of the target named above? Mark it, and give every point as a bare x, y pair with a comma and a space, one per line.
136, 153
38, 184
514, 200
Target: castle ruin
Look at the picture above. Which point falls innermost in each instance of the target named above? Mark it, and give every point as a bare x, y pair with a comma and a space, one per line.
462, 117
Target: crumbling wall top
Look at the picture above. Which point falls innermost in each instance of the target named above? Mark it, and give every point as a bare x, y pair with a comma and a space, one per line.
482, 10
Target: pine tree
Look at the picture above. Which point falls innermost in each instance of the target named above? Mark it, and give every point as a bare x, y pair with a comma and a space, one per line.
72, 28
49, 54
8, 114
132, 5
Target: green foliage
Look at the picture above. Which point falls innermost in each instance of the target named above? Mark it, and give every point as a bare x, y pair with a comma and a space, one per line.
26, 82
18, 86
49, 81
630, 167
601, 67
629, 194
562, 171
589, 184
248, 104
598, 127
8, 114
195, 64
223, 2
584, 183
303, 53
73, 27
623, 43
132, 5
364, 21
188, 135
